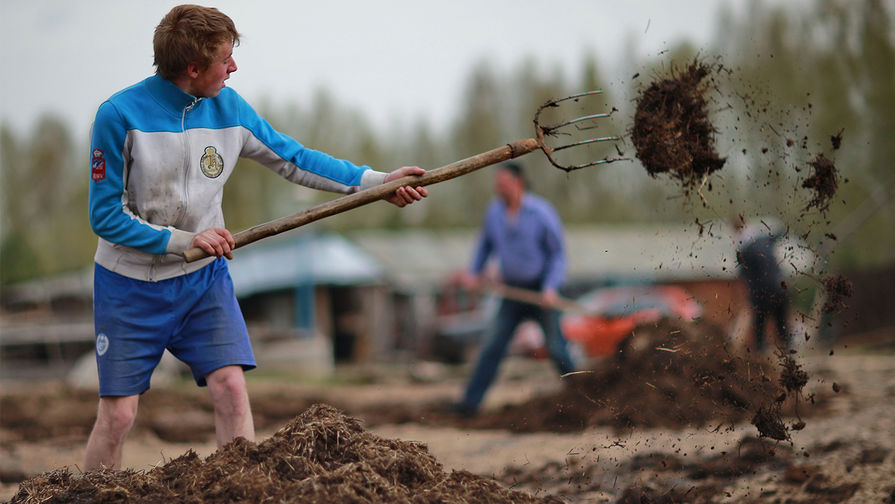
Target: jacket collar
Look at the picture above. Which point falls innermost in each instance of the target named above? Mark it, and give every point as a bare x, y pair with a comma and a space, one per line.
170, 96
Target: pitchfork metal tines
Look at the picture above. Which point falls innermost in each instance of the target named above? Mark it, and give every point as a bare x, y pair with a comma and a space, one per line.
568, 129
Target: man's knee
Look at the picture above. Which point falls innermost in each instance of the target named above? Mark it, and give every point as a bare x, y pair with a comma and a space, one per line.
227, 385
227, 378
116, 415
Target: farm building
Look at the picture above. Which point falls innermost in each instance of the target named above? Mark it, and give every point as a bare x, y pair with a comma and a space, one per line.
383, 295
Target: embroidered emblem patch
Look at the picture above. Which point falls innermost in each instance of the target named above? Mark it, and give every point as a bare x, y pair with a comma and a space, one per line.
102, 344
98, 165
212, 164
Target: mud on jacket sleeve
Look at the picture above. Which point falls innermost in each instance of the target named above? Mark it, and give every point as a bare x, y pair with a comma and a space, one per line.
109, 216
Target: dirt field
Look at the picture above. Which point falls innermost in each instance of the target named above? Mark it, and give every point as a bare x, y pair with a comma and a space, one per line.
844, 453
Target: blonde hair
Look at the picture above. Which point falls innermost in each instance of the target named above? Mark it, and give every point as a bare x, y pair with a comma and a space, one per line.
190, 34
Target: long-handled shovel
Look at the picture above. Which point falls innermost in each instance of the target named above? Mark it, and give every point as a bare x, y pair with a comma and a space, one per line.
534, 298
453, 170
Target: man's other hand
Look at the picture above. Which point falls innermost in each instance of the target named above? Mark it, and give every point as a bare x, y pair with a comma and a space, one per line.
406, 195
550, 297
216, 242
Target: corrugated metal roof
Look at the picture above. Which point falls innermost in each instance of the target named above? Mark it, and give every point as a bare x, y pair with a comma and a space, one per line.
313, 258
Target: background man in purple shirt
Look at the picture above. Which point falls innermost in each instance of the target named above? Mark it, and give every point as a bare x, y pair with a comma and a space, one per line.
524, 233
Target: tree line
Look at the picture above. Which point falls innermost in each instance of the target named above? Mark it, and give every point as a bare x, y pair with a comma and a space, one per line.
788, 80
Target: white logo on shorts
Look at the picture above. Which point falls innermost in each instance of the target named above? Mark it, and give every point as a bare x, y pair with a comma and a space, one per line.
102, 343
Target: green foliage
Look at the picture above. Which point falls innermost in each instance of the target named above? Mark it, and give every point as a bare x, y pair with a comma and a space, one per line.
44, 225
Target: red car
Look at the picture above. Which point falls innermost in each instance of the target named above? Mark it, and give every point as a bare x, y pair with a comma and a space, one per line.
606, 317
613, 312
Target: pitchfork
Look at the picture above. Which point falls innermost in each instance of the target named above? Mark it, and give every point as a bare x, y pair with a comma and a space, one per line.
447, 172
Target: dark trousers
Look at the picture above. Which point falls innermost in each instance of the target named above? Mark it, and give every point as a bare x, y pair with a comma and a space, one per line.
509, 316
771, 304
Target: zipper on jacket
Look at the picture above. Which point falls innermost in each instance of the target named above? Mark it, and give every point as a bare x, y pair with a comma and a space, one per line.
186, 171
186, 161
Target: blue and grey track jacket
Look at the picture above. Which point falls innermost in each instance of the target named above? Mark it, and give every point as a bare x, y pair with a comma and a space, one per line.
159, 161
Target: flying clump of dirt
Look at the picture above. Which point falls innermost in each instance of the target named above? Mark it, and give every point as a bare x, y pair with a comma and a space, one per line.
837, 289
672, 132
768, 418
769, 423
836, 140
792, 377
824, 181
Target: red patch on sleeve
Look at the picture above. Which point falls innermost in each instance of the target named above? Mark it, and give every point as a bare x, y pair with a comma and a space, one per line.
98, 166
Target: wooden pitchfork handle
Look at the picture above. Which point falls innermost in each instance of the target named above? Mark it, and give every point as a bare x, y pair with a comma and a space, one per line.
360, 198
535, 298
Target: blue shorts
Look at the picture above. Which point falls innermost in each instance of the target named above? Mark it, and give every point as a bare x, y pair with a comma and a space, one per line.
195, 316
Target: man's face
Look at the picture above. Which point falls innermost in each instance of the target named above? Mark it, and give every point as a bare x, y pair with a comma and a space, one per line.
209, 81
507, 186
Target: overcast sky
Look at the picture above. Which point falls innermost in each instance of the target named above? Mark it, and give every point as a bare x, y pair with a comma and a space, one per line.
392, 59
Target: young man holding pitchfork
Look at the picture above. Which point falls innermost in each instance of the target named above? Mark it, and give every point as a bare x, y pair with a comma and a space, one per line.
161, 151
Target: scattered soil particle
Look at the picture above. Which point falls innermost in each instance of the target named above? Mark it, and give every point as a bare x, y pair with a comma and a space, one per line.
793, 378
836, 140
824, 181
838, 288
769, 424
672, 132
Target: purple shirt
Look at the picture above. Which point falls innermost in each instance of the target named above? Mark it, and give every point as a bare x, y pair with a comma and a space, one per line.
528, 247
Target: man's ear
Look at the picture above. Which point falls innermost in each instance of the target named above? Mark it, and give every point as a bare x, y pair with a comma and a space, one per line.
192, 70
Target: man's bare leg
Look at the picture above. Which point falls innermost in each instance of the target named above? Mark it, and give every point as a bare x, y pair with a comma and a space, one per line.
114, 419
232, 413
